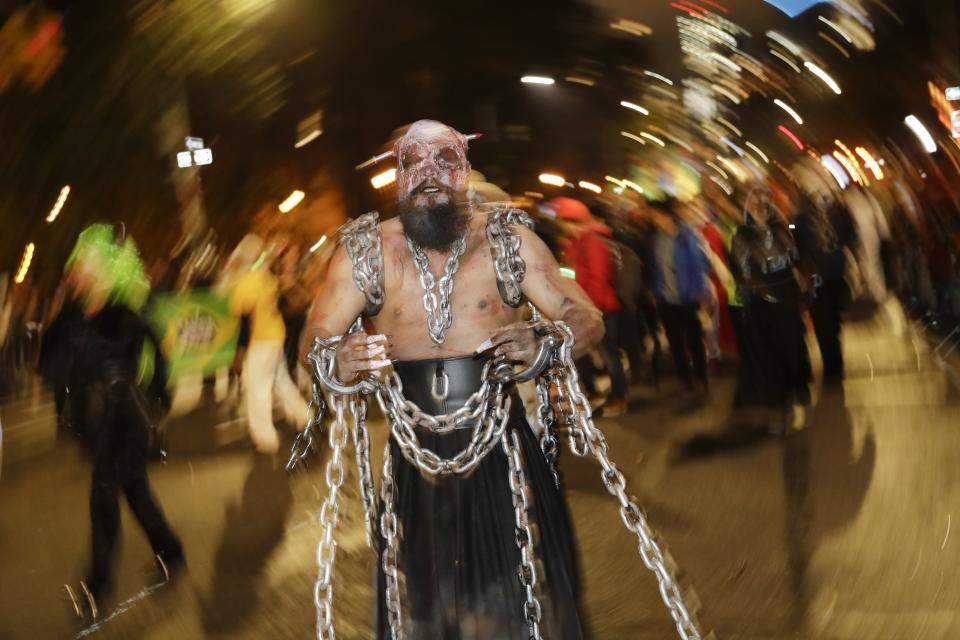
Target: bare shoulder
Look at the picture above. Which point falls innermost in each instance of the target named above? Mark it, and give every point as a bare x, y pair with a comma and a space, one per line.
391, 232
532, 247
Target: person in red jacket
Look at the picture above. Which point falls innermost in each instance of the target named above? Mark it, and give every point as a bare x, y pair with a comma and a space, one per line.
586, 251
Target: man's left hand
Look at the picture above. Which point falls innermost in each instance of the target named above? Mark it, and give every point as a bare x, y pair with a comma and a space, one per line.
517, 343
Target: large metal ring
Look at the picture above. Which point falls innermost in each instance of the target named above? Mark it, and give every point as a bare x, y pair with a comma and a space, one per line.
322, 359
550, 340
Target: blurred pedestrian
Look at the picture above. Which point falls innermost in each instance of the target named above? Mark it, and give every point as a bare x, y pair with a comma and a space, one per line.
825, 234
117, 382
774, 367
648, 320
681, 287
254, 292
625, 247
587, 252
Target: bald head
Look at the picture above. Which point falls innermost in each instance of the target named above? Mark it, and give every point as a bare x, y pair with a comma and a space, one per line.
432, 160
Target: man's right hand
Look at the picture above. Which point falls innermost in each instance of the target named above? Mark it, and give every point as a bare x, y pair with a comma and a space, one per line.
359, 352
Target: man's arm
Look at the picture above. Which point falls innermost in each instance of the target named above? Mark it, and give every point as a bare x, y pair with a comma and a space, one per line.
336, 307
556, 297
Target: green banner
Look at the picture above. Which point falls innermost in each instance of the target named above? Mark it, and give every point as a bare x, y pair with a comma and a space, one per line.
197, 332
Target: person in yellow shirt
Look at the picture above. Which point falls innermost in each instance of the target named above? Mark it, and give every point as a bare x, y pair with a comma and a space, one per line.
254, 294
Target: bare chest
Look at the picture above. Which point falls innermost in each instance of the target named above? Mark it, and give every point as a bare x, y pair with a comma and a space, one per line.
475, 304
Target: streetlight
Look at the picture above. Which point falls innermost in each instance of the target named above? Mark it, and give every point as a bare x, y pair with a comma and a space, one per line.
25, 263
319, 243
635, 107
383, 178
58, 205
922, 134
536, 80
292, 201
589, 186
823, 75
793, 114
552, 179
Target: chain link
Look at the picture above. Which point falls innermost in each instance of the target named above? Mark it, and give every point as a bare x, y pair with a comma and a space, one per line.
471, 411
329, 516
486, 432
391, 552
521, 508
548, 436
305, 441
505, 250
361, 444
363, 242
439, 314
633, 518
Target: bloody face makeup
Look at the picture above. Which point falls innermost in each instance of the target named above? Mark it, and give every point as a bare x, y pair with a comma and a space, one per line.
432, 167
432, 180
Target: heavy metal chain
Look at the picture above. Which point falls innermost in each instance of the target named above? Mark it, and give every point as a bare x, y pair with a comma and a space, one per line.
361, 444
329, 516
505, 250
548, 427
361, 237
485, 434
576, 438
616, 484
471, 411
305, 441
439, 313
390, 554
521, 508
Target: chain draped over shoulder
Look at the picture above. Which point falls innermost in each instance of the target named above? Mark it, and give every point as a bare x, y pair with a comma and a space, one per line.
364, 244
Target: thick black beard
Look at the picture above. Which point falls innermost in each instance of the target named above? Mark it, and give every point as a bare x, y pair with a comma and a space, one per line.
434, 228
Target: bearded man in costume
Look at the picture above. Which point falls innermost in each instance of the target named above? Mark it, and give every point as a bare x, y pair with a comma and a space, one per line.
445, 310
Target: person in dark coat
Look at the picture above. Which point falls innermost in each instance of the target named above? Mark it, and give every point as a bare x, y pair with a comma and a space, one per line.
774, 367
825, 232
116, 376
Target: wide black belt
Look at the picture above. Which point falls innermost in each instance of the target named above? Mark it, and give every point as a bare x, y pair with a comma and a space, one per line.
426, 382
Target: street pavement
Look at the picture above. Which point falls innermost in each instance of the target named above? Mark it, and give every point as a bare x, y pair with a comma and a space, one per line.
839, 531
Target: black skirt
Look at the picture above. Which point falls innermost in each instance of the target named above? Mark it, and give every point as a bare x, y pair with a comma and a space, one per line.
459, 561
774, 365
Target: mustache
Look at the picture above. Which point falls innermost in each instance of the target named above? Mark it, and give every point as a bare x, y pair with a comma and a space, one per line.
430, 184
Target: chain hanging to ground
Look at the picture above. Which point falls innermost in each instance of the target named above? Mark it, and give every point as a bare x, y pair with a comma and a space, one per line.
391, 551
361, 444
305, 441
329, 516
548, 426
521, 508
616, 484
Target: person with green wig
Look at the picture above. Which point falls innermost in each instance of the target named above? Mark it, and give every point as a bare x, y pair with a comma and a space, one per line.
96, 347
